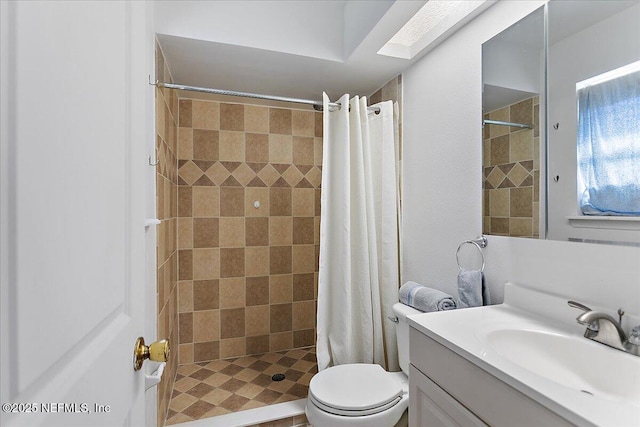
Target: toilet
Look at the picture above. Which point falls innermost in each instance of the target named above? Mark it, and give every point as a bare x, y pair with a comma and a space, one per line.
362, 394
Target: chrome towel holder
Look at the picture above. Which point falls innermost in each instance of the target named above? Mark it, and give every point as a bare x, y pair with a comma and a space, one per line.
479, 243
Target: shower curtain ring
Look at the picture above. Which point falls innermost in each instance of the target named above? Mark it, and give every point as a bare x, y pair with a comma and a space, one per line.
152, 163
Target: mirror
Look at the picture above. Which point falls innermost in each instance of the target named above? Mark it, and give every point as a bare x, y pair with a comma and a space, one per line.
586, 40
513, 82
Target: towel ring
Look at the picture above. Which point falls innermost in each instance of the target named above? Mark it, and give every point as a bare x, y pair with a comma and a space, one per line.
471, 242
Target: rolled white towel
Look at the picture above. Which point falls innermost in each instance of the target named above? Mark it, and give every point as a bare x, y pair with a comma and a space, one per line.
425, 299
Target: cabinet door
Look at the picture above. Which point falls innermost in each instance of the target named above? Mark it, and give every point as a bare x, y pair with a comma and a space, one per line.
431, 406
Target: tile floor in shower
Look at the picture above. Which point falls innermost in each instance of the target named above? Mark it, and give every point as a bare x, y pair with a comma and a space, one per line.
207, 389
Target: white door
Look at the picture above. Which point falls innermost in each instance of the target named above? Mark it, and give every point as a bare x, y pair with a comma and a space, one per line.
74, 123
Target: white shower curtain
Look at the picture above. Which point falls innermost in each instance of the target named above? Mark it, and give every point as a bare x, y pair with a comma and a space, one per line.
359, 233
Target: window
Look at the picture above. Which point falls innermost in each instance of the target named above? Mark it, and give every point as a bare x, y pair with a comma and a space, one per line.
609, 142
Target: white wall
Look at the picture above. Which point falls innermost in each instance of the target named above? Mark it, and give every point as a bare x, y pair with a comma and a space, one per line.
442, 185
608, 45
315, 31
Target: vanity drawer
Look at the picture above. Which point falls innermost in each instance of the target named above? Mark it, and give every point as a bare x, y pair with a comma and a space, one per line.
432, 406
491, 400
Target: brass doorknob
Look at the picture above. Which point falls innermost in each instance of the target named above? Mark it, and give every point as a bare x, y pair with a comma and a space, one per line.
158, 352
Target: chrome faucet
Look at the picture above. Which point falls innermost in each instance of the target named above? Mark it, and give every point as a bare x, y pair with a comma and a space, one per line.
604, 329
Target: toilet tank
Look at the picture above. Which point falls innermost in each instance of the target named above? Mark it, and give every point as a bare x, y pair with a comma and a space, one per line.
401, 311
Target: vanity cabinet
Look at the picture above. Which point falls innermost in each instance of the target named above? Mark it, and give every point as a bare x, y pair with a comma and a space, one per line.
448, 390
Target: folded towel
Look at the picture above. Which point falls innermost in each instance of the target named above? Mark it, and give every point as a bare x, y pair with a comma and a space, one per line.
425, 299
472, 291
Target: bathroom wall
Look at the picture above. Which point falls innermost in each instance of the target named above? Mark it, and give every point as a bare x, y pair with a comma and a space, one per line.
167, 212
443, 176
511, 172
248, 228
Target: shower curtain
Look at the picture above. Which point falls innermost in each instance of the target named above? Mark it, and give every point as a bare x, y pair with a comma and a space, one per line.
358, 277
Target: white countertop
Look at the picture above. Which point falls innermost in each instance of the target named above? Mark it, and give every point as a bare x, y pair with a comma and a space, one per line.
465, 332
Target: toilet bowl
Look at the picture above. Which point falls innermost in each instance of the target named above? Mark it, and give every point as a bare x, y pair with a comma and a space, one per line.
361, 394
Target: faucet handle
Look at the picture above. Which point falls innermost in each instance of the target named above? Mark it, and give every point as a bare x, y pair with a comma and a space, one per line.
575, 304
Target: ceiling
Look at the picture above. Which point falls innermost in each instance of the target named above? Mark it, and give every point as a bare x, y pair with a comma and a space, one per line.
286, 48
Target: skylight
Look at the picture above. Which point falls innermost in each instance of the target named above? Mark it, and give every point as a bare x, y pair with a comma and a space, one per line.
433, 23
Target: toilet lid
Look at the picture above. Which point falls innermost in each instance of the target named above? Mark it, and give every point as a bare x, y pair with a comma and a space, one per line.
359, 388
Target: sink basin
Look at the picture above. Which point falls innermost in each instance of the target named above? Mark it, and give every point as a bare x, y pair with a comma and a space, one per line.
570, 361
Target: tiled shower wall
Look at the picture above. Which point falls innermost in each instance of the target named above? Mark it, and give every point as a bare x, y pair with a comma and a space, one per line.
167, 212
511, 196
248, 228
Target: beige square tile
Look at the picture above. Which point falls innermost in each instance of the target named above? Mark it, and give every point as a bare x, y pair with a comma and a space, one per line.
217, 365
249, 390
268, 175
521, 145
303, 150
206, 325
499, 202
217, 379
303, 315
231, 146
521, 227
231, 232
256, 194
256, 261
280, 149
185, 353
292, 175
206, 202
217, 173
232, 292
184, 384
185, 296
280, 289
302, 202
303, 123
500, 115
205, 114
257, 320
185, 144
187, 369
256, 119
280, 231
185, 233
232, 347
206, 263
244, 174
314, 176
217, 396
303, 259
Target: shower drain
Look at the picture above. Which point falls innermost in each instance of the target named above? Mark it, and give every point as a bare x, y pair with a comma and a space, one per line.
277, 377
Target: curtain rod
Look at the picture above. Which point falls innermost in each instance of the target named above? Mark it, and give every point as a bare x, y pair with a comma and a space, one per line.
317, 105
497, 122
